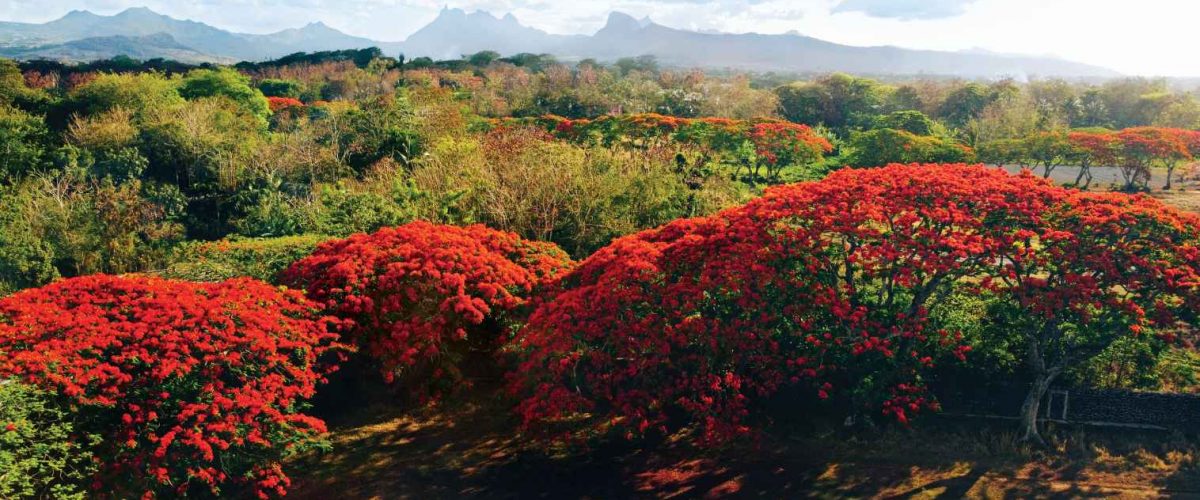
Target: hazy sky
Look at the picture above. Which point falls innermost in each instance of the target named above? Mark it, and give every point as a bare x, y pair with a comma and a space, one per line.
1149, 37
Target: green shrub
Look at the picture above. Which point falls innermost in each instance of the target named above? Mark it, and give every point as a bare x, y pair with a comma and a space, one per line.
260, 258
271, 87
40, 455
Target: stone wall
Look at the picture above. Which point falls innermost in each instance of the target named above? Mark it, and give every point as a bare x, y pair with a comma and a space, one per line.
1088, 406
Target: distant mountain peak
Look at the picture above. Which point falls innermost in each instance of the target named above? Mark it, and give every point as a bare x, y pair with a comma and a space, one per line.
448, 13
620, 21
319, 27
74, 14
138, 12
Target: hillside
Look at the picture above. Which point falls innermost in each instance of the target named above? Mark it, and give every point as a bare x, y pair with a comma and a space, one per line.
82, 36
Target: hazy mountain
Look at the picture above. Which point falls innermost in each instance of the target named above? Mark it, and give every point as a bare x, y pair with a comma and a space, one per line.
211, 43
81, 35
103, 47
312, 38
455, 33
623, 35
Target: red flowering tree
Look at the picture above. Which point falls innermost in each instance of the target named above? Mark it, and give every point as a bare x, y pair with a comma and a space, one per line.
190, 385
837, 284
828, 283
1145, 147
780, 144
1096, 268
421, 295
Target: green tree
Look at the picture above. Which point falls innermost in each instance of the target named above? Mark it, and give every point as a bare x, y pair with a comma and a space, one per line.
273, 87
965, 103
24, 139
909, 121
483, 58
141, 94
228, 83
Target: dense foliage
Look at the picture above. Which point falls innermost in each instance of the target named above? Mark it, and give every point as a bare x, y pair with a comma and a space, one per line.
40, 453
259, 258
189, 386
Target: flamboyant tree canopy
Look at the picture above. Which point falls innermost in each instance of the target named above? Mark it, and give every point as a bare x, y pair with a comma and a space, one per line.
834, 284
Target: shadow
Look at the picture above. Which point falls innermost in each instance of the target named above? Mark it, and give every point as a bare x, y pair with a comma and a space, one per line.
951, 487
470, 447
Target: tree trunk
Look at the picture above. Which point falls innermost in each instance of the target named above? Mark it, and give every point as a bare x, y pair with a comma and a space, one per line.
1032, 405
1085, 171
1170, 173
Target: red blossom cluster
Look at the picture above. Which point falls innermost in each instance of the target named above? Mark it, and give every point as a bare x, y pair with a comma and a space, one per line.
786, 143
418, 293
190, 385
831, 284
280, 103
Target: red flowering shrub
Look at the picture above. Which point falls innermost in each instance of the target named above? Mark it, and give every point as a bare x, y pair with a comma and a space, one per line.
191, 386
418, 293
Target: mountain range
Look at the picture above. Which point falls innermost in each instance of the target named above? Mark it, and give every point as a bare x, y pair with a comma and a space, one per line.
144, 34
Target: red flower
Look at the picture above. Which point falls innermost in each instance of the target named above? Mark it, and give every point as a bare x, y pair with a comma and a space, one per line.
279, 103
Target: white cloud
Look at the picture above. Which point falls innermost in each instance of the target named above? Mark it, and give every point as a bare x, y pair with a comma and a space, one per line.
905, 9
1150, 37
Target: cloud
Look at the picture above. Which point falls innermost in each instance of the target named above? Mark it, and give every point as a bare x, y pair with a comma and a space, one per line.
905, 9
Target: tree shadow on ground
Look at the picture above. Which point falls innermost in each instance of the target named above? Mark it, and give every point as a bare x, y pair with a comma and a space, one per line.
471, 448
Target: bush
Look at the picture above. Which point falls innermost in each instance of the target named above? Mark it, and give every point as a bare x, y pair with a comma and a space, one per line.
271, 87
41, 455
26, 259
259, 258
884, 146
421, 294
228, 83
191, 386
23, 139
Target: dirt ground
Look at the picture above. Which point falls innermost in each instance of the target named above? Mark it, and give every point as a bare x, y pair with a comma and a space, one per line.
471, 449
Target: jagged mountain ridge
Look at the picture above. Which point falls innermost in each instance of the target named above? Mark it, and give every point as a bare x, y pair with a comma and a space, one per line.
455, 32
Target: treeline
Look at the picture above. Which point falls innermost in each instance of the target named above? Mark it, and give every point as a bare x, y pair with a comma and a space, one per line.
111, 166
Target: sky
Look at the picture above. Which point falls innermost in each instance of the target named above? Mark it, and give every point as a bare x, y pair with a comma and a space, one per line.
1146, 37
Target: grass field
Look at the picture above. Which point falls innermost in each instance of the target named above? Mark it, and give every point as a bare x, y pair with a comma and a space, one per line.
470, 448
